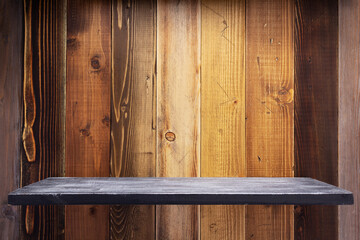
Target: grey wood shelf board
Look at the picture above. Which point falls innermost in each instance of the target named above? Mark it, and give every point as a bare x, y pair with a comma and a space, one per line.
216, 191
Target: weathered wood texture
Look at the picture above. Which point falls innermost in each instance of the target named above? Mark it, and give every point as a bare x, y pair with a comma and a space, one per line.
43, 108
316, 110
11, 65
269, 109
178, 126
132, 110
223, 109
189, 190
88, 109
349, 115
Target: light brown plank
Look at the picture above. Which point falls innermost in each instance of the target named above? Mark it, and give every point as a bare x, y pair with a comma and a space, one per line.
223, 109
316, 110
349, 116
88, 109
178, 126
11, 66
269, 109
132, 129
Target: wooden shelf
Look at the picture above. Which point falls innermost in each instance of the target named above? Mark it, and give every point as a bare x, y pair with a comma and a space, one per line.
264, 191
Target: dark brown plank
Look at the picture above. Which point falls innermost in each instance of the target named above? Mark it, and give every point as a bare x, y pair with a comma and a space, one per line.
41, 131
269, 109
88, 109
181, 191
349, 115
132, 110
316, 107
11, 65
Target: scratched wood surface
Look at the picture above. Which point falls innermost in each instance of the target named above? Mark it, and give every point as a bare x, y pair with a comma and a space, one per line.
11, 70
133, 110
88, 109
316, 110
349, 116
223, 109
43, 73
178, 115
181, 191
269, 109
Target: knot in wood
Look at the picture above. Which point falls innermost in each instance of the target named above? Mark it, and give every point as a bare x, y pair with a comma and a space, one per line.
106, 121
95, 62
284, 96
7, 212
85, 132
170, 136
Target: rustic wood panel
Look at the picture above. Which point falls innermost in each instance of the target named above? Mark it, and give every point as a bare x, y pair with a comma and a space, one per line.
269, 109
132, 109
316, 110
43, 71
60, 66
178, 127
88, 109
349, 116
11, 65
223, 109
60, 115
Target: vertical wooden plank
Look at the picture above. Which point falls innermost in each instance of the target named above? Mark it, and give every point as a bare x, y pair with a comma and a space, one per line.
269, 109
29, 112
41, 132
349, 116
223, 109
60, 98
88, 109
132, 130
60, 66
11, 65
316, 110
178, 90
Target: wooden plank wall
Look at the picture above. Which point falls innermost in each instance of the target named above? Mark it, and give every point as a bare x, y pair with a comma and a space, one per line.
132, 105
178, 97
316, 110
43, 132
11, 65
133, 110
88, 109
349, 116
223, 109
269, 109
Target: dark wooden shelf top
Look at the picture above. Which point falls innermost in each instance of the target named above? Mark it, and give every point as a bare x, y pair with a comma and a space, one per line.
265, 191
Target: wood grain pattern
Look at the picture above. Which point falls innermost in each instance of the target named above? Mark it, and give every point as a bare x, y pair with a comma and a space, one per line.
30, 168
316, 110
11, 70
223, 109
178, 126
42, 71
28, 86
60, 66
349, 115
132, 129
88, 109
269, 109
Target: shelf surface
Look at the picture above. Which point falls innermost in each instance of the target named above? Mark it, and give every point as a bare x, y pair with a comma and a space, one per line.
264, 191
